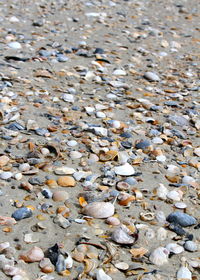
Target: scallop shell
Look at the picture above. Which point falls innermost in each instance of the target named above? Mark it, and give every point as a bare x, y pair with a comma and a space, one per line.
183, 274
35, 254
121, 236
159, 256
99, 210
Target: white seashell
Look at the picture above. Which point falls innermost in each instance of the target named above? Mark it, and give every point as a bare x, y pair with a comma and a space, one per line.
124, 170
14, 45
119, 72
161, 158
75, 155
162, 192
188, 180
161, 234
150, 234
99, 210
100, 115
159, 256
173, 169
64, 170
11, 270
174, 248
174, 195
122, 265
121, 236
180, 205
30, 238
68, 97
184, 274
101, 275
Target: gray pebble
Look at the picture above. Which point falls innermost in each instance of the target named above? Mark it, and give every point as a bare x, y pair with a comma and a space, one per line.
182, 219
190, 246
151, 76
22, 213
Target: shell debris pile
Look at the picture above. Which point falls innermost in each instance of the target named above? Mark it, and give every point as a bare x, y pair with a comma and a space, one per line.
99, 140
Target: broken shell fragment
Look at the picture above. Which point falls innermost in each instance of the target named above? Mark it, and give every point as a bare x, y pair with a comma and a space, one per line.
121, 236
184, 274
99, 210
159, 256
138, 252
101, 275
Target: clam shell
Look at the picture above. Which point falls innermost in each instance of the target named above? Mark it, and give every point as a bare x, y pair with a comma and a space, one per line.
190, 246
138, 252
183, 273
124, 170
99, 210
159, 256
174, 248
121, 236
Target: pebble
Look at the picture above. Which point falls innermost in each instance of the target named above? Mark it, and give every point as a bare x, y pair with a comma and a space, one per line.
181, 219
60, 196
190, 246
22, 213
14, 45
152, 77
64, 170
99, 209
6, 175
66, 181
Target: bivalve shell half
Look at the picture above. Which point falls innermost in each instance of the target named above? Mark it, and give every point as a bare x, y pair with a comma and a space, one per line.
35, 254
101, 275
99, 210
124, 170
121, 236
174, 248
159, 256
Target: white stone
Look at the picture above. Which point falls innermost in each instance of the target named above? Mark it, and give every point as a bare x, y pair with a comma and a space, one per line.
100, 115
101, 275
119, 72
101, 131
153, 77
64, 170
72, 143
75, 155
5, 175
68, 97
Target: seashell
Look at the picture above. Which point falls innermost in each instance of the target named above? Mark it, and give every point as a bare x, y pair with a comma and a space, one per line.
60, 196
121, 236
35, 254
175, 195
11, 270
64, 170
180, 205
110, 155
113, 221
46, 265
161, 192
188, 180
138, 252
4, 245
75, 155
30, 238
99, 210
126, 199
151, 76
22, 213
159, 256
138, 194
148, 216
161, 234
174, 248
78, 256
7, 221
124, 170
181, 219
184, 274
64, 262
173, 169
122, 186
121, 265
90, 265
66, 181
150, 234
190, 246
101, 275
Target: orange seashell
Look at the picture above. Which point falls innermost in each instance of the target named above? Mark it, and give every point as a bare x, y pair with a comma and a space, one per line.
35, 254
51, 183
7, 221
127, 201
110, 155
138, 252
82, 201
31, 146
7, 229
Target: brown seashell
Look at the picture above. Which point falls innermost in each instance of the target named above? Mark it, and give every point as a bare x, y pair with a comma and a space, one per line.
66, 181
148, 216
35, 254
99, 210
27, 186
173, 179
78, 256
51, 183
110, 155
89, 265
122, 186
48, 269
60, 196
3, 160
126, 200
138, 252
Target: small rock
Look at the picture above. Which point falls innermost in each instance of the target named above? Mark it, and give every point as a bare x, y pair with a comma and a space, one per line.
14, 45
64, 170
22, 213
181, 219
5, 175
99, 210
61, 221
190, 246
101, 275
66, 181
60, 196
152, 77
121, 236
